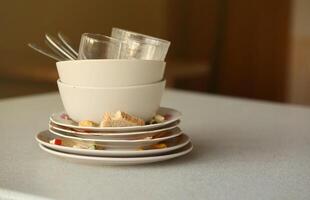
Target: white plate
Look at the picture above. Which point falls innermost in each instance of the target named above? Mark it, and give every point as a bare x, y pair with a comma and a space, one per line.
45, 136
117, 160
114, 135
120, 143
174, 115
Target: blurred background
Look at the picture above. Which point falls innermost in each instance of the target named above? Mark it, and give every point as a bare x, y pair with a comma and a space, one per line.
258, 49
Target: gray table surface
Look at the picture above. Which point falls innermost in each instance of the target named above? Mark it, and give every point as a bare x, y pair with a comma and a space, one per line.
243, 150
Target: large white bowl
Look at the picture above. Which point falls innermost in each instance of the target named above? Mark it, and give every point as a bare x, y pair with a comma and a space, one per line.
109, 72
90, 103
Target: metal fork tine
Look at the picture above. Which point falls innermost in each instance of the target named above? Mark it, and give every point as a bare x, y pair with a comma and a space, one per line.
44, 52
66, 42
56, 51
59, 47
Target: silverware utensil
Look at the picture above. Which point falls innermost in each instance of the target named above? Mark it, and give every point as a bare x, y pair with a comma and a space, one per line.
45, 52
55, 50
59, 47
65, 40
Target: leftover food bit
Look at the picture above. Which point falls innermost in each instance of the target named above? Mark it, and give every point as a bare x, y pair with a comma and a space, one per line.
159, 146
148, 138
87, 123
120, 119
65, 116
79, 146
55, 141
157, 119
140, 149
154, 146
167, 116
88, 146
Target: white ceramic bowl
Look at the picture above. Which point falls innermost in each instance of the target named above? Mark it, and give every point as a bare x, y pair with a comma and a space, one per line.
110, 72
90, 103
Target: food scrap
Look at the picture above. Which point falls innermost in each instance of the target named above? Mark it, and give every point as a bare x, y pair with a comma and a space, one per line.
123, 119
157, 119
120, 119
56, 141
65, 116
159, 146
90, 147
154, 146
87, 123
78, 145
167, 116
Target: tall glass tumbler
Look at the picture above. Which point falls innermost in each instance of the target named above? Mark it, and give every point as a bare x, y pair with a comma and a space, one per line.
140, 46
97, 46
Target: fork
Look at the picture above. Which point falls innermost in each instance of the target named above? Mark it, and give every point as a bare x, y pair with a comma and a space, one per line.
58, 46
61, 48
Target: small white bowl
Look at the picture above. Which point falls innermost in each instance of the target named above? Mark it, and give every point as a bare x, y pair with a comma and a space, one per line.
110, 72
90, 103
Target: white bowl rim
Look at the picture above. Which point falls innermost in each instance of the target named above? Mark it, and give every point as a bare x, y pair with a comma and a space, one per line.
163, 81
110, 60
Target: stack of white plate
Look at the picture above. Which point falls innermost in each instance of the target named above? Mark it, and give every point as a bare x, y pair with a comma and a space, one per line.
117, 145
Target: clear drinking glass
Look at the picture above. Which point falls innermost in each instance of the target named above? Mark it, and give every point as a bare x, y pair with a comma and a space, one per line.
140, 46
97, 46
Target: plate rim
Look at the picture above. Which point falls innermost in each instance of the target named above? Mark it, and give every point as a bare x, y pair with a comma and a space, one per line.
128, 128
111, 134
120, 159
120, 152
116, 140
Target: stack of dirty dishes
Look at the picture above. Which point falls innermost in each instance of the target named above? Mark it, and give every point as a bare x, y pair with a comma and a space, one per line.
112, 98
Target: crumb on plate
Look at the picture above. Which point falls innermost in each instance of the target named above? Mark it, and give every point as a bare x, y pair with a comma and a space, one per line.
87, 123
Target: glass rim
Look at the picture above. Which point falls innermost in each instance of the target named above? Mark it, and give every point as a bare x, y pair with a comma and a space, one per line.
94, 36
101, 38
154, 40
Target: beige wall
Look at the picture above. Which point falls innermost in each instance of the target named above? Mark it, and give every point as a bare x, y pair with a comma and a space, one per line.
299, 74
27, 21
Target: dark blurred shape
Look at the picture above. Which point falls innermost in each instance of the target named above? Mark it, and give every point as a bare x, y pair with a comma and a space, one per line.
244, 42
